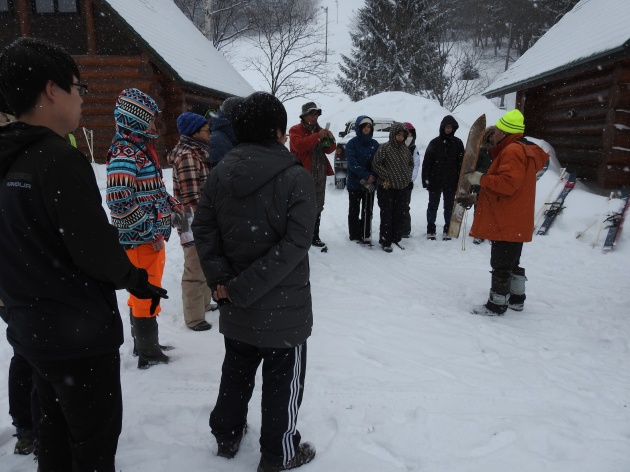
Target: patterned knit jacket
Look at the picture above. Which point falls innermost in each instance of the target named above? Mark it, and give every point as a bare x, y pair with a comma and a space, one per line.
393, 162
136, 196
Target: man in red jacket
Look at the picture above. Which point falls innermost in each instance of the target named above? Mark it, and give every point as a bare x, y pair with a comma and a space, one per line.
505, 210
310, 143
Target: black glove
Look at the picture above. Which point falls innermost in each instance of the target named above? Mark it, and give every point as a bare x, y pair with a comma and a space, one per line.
369, 187
467, 201
220, 301
144, 290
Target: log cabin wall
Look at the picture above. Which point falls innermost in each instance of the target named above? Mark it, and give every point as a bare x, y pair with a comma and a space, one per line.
111, 58
582, 118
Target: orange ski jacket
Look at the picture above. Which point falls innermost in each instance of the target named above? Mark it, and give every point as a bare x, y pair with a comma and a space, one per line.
506, 201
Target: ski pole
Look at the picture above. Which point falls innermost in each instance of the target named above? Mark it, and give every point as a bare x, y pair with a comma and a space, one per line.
464, 228
579, 234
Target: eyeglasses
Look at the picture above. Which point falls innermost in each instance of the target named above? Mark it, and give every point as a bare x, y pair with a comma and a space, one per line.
83, 88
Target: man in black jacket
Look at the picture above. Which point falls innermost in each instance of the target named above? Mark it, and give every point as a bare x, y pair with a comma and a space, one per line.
253, 229
440, 173
61, 262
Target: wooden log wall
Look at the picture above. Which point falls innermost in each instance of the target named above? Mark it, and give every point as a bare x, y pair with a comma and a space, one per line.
581, 118
106, 77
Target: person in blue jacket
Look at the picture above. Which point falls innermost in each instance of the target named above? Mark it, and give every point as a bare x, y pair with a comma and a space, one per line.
223, 137
361, 179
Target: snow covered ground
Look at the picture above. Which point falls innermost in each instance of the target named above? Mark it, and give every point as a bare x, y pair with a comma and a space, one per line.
400, 375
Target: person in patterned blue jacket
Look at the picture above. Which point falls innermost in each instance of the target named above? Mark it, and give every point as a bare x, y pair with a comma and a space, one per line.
141, 209
361, 179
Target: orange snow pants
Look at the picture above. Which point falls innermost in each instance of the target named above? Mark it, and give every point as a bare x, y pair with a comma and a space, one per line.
145, 257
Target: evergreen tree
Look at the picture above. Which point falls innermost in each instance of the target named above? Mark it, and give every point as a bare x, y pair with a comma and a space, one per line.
392, 49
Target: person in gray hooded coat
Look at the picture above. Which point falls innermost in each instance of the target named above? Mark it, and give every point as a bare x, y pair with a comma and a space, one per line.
253, 229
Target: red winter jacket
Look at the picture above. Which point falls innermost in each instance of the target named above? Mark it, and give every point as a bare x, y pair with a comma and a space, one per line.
303, 142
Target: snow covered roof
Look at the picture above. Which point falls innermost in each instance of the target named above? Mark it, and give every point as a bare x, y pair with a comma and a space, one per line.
594, 29
171, 36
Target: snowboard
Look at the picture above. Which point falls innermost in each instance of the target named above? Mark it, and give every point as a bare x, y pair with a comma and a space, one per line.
469, 164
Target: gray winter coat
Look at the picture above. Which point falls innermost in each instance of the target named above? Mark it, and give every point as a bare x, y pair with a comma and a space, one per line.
253, 229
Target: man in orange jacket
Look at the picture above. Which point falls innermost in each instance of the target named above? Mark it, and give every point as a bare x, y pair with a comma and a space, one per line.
505, 210
310, 143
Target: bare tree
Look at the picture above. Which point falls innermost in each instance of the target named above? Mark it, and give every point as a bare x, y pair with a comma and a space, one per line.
226, 21
288, 44
193, 9
221, 21
458, 74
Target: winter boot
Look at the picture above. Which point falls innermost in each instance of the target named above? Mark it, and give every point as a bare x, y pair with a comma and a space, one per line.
431, 232
478, 240
135, 349
316, 241
497, 303
304, 455
517, 290
495, 306
149, 349
25, 441
445, 235
228, 449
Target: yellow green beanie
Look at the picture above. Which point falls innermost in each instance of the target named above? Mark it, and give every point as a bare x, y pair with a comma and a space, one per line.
512, 122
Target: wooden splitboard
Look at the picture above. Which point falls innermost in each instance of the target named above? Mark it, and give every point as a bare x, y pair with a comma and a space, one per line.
469, 164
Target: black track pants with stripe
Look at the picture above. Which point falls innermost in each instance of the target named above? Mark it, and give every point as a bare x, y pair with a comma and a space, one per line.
283, 372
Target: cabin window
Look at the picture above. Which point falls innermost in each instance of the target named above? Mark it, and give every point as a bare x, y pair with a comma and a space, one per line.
56, 6
5, 6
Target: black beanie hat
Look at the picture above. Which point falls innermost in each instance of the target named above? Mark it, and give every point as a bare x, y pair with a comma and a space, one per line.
256, 119
229, 106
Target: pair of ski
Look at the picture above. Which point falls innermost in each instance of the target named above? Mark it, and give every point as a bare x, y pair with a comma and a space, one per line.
616, 222
550, 210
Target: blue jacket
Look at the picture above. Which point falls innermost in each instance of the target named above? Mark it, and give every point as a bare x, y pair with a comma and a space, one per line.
223, 138
360, 151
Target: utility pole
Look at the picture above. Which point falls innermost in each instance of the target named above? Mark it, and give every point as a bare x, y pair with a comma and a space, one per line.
507, 62
326, 42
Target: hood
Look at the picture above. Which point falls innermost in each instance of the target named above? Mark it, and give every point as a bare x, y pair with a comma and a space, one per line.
532, 151
364, 139
394, 130
248, 167
448, 120
218, 121
358, 121
14, 138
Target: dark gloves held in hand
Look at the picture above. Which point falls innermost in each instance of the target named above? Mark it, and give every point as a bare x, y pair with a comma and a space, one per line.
220, 301
467, 201
369, 187
144, 290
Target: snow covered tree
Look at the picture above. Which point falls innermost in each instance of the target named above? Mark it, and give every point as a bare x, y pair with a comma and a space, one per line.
392, 48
